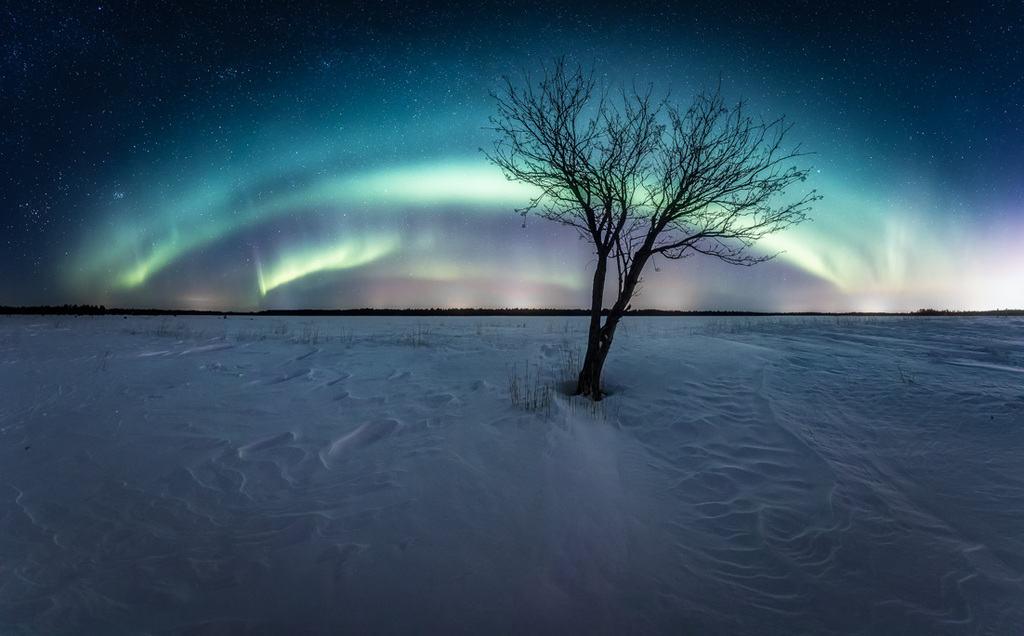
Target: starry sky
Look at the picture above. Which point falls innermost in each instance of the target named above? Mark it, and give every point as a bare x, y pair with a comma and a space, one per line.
275, 155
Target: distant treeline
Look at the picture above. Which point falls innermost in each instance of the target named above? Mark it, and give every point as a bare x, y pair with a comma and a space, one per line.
951, 312
100, 310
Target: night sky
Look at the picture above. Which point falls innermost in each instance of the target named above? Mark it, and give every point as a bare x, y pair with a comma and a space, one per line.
274, 156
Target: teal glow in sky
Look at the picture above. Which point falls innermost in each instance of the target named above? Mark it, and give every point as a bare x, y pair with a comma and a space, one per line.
338, 164
129, 255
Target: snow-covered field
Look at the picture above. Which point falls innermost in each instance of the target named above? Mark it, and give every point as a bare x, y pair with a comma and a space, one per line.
373, 475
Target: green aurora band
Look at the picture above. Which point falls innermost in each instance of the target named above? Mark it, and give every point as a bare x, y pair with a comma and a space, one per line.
130, 255
875, 250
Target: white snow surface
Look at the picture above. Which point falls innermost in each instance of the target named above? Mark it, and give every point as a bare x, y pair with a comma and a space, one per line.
200, 475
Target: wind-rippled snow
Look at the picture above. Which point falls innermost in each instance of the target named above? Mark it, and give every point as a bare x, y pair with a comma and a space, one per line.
823, 475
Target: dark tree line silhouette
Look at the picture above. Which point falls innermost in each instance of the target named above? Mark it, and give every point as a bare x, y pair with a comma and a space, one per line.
100, 310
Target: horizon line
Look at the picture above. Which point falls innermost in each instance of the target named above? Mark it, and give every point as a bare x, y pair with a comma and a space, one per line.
69, 309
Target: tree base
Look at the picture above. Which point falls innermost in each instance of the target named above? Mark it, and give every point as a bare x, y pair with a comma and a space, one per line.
593, 392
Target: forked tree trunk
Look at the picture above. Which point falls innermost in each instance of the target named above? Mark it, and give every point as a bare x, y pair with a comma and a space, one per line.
599, 337
589, 382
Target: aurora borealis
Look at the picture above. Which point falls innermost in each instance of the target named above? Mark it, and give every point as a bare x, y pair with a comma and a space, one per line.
267, 156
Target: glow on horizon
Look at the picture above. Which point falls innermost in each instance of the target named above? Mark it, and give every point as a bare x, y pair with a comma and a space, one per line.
441, 271
885, 251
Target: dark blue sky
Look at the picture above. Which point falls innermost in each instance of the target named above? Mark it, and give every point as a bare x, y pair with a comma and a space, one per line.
276, 155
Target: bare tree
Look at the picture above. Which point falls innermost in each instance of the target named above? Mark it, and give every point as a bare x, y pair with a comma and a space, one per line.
641, 178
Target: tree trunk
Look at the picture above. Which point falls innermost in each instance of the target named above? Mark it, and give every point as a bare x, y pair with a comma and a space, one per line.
599, 339
589, 382
590, 377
